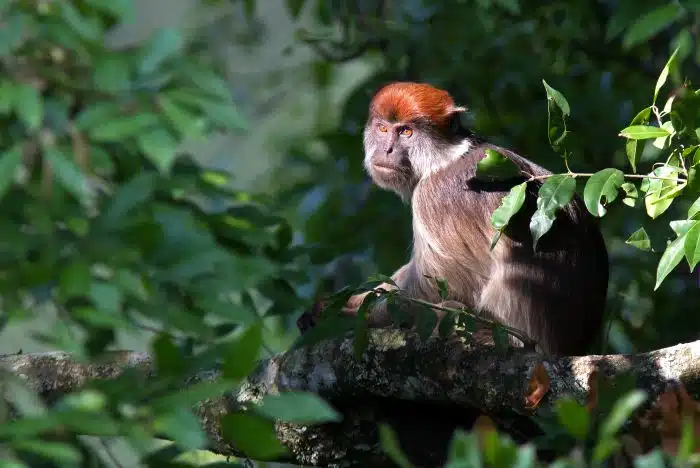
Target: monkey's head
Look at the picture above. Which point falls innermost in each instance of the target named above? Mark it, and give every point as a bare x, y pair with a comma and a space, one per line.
413, 130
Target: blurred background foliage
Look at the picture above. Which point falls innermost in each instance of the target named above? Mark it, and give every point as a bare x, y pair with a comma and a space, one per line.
181, 175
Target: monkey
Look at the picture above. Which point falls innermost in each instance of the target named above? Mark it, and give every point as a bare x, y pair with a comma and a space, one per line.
416, 145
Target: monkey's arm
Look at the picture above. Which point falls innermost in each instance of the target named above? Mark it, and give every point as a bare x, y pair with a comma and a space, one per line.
378, 316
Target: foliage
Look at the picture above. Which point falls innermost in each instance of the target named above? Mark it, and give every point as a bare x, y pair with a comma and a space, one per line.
112, 226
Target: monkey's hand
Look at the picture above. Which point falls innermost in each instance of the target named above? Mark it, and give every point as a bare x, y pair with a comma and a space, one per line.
308, 319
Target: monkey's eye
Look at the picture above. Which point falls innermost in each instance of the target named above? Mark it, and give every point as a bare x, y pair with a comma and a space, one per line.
406, 131
383, 128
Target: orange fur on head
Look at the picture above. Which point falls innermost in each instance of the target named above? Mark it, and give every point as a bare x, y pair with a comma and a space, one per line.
406, 101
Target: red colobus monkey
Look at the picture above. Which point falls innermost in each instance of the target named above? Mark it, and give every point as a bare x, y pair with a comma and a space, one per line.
416, 146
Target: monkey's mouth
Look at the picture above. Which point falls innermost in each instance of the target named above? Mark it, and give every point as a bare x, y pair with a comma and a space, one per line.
384, 168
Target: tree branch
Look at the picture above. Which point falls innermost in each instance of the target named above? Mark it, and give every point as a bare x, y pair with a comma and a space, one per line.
424, 389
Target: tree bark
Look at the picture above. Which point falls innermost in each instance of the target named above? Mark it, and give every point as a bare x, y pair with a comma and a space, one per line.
424, 389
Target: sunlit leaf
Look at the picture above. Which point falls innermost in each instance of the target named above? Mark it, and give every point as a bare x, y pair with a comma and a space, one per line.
633, 148
671, 257
639, 239
495, 166
631, 194
662, 191
510, 205
643, 132
692, 245
601, 188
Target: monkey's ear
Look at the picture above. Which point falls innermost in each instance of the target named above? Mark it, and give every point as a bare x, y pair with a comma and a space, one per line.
459, 119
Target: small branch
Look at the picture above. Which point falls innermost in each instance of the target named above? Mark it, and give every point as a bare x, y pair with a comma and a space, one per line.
527, 342
590, 174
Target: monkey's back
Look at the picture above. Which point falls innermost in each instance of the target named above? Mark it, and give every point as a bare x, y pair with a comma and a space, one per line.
556, 294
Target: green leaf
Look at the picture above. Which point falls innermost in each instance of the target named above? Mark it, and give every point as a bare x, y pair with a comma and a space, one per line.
495, 166
604, 448
661, 192
298, 408
692, 245
224, 114
573, 417
186, 123
7, 96
540, 223
650, 24
210, 82
390, 445
653, 459
182, 427
29, 106
643, 132
111, 73
294, 7
694, 208
97, 113
464, 450
671, 257
13, 33
634, 148
639, 239
75, 280
242, 353
681, 227
558, 98
253, 435
621, 411
555, 193
9, 163
57, 452
117, 129
510, 205
631, 194
664, 72
442, 288
169, 359
603, 184
89, 29
557, 111
128, 196
160, 148
68, 174
164, 44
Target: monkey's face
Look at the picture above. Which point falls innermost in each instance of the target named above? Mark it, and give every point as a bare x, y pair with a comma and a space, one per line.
389, 150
